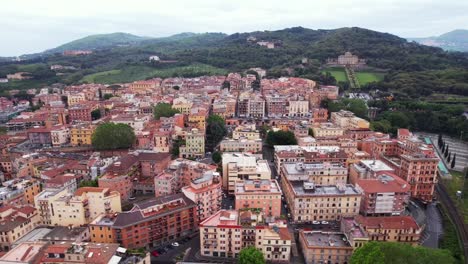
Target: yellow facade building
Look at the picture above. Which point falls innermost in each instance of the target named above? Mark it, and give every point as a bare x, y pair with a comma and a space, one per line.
81, 135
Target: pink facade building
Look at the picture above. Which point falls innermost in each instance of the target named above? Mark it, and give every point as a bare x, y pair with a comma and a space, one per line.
206, 193
261, 194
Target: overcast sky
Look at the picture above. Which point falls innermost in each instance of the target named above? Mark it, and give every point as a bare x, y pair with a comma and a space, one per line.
29, 26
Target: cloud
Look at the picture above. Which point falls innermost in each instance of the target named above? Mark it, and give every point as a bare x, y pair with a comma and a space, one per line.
33, 26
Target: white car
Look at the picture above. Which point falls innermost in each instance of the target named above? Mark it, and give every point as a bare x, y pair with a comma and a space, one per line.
175, 244
324, 223
316, 222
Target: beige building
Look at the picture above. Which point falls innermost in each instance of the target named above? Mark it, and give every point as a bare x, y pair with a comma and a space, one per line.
225, 107
227, 232
183, 105
321, 247
298, 108
348, 120
60, 135
242, 166
319, 173
194, 144
15, 222
246, 131
308, 202
327, 130
241, 145
76, 98
80, 208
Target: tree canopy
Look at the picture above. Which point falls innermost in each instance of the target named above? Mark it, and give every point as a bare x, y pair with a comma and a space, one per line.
251, 255
397, 253
281, 138
164, 110
109, 136
215, 130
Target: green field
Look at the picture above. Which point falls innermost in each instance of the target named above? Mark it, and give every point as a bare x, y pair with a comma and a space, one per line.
367, 77
134, 73
338, 73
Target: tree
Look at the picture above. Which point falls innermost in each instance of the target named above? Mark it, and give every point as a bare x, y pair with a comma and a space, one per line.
109, 136
90, 183
216, 157
439, 140
100, 94
108, 96
164, 110
453, 160
392, 252
311, 132
256, 85
446, 151
449, 156
96, 114
176, 146
176, 87
215, 130
226, 85
251, 255
281, 138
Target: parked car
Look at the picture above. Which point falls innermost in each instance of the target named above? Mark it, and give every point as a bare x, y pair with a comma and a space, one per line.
175, 244
324, 223
316, 222
155, 253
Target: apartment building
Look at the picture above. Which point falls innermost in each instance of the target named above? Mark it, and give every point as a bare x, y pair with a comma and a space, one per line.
387, 194
19, 191
241, 145
325, 247
76, 98
327, 130
348, 120
298, 107
308, 202
402, 229
83, 206
261, 194
101, 229
15, 222
246, 131
60, 135
325, 173
155, 222
206, 193
295, 153
194, 145
368, 169
183, 105
81, 135
227, 232
242, 166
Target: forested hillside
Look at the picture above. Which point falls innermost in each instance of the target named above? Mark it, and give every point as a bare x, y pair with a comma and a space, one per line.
413, 70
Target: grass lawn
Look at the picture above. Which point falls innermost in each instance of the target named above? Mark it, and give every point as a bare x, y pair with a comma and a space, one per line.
450, 240
134, 73
454, 185
338, 73
367, 77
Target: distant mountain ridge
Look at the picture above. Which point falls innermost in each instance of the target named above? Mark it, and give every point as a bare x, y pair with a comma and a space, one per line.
456, 40
99, 41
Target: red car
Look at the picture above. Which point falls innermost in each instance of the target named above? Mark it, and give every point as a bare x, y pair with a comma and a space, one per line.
155, 253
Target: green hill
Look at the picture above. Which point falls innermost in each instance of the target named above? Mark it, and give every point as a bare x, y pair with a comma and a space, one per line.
412, 69
99, 42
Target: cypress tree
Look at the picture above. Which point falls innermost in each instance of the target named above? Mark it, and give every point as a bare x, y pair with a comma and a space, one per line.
453, 160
